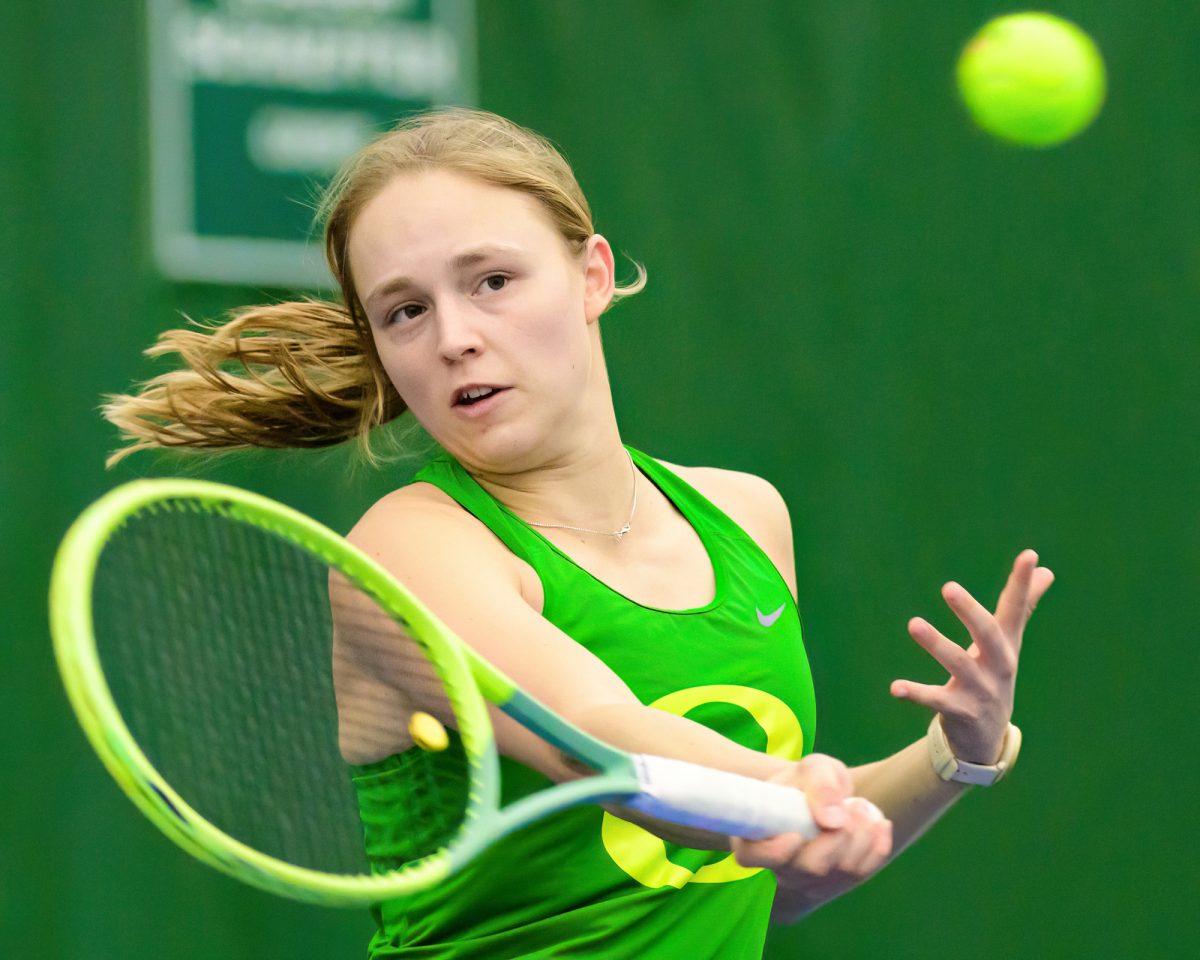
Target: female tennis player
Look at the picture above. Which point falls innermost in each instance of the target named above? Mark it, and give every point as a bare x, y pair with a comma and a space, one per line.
654, 605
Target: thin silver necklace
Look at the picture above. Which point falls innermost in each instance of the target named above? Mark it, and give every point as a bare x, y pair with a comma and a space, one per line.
616, 533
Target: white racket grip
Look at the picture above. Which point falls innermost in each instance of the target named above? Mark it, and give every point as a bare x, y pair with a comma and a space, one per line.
720, 801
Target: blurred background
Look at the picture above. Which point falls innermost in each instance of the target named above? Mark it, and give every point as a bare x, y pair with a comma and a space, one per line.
941, 350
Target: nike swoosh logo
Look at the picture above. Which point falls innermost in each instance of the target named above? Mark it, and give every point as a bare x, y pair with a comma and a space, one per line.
766, 619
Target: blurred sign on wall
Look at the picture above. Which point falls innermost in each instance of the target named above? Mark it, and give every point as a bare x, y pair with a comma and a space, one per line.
255, 103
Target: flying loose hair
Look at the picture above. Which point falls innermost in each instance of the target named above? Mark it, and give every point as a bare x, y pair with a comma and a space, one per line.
305, 373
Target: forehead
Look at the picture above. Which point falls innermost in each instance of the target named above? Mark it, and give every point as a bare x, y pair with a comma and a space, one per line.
419, 221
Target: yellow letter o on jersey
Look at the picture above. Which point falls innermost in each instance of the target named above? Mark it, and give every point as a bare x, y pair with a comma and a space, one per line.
640, 853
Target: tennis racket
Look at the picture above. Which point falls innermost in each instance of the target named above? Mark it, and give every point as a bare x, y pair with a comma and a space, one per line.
218, 648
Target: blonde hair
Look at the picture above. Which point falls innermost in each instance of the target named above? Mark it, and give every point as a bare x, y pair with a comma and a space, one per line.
305, 373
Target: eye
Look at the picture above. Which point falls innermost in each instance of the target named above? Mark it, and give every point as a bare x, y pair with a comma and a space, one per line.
401, 313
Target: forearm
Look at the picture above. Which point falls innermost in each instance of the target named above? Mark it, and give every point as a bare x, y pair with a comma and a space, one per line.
908, 791
641, 729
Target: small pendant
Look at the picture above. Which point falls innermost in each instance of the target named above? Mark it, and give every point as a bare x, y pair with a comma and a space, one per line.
620, 533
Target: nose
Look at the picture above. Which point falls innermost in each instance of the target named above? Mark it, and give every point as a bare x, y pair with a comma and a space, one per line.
458, 333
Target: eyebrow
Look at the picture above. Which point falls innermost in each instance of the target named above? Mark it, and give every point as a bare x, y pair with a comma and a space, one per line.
468, 259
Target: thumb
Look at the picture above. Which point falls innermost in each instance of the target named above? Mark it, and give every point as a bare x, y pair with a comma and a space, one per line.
826, 782
825, 802
831, 816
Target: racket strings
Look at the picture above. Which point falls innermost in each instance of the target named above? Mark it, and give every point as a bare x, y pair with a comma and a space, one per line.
398, 832
278, 716
413, 801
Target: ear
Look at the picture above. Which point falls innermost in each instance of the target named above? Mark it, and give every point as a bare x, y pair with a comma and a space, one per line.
598, 277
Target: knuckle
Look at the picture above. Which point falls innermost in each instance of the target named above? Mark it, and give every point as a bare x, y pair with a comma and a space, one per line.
816, 864
823, 776
821, 868
748, 858
820, 762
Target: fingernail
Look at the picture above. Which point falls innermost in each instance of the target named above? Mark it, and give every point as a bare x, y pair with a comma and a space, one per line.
835, 817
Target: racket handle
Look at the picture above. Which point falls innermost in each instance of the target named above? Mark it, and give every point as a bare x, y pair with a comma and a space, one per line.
717, 800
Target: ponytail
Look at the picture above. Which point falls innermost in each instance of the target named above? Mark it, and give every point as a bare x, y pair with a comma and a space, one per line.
293, 374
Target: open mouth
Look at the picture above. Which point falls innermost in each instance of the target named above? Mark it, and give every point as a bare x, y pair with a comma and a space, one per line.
471, 401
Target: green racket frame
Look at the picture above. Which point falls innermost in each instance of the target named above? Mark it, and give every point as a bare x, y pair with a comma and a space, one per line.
468, 679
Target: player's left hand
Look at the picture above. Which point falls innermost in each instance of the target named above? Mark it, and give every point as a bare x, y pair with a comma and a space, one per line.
977, 701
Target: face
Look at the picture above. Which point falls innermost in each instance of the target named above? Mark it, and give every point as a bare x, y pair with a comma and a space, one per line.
464, 282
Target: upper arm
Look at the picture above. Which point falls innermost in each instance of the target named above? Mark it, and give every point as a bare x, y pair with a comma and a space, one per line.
458, 569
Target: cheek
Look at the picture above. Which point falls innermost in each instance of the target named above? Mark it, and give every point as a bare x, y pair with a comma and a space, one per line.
556, 340
399, 369
553, 366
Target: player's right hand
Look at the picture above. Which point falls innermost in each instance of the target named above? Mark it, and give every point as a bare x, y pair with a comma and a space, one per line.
855, 839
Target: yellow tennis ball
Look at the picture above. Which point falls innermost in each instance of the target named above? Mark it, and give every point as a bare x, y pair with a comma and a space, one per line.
427, 732
1032, 79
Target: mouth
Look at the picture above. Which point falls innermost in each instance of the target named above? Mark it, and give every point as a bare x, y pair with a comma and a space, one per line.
480, 406
476, 394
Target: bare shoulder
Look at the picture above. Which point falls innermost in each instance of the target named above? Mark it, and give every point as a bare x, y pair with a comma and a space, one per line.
755, 505
424, 511
417, 501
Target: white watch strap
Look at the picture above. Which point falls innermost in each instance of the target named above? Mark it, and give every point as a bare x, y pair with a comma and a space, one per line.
949, 767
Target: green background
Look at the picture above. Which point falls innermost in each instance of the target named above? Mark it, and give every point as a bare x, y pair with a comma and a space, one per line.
940, 349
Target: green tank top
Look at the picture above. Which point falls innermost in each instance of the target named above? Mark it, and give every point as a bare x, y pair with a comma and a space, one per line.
583, 883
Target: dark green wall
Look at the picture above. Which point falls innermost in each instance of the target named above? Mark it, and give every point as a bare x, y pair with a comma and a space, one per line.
939, 349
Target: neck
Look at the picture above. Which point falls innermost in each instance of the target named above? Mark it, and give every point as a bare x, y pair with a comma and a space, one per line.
590, 488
